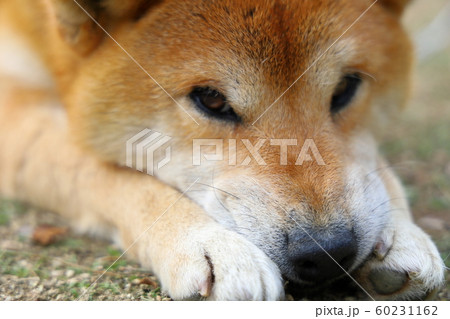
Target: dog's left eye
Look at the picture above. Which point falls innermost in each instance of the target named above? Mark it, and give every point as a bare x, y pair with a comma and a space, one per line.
344, 92
214, 104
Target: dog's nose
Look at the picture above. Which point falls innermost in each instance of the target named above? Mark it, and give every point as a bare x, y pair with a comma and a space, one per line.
320, 256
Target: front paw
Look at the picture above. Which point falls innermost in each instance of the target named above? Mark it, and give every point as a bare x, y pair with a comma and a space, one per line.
216, 264
405, 266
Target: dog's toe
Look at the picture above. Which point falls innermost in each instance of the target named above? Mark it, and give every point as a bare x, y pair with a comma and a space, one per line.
220, 265
410, 269
242, 271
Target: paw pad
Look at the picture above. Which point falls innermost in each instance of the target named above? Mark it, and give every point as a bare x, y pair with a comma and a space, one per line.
387, 281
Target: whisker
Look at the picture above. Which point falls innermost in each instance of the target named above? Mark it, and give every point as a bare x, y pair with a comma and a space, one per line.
221, 190
250, 216
394, 166
237, 228
386, 201
372, 183
220, 202
395, 209
196, 190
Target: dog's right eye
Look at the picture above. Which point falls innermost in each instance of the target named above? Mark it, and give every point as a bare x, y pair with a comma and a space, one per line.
214, 104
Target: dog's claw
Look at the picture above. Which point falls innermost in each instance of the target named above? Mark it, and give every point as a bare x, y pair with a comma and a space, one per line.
383, 245
380, 250
205, 288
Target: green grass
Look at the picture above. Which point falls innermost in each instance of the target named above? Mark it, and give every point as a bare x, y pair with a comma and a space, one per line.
114, 252
9, 208
152, 294
4, 218
9, 266
70, 243
114, 288
116, 266
75, 289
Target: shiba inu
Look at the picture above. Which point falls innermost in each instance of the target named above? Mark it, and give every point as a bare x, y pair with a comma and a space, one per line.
270, 168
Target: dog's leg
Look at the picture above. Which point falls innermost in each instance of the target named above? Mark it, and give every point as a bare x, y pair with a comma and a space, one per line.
191, 254
406, 263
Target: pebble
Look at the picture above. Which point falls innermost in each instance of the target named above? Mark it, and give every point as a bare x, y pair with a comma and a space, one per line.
84, 276
56, 273
72, 281
136, 281
33, 282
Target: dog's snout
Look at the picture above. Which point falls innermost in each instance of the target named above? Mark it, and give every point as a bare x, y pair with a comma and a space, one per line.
319, 256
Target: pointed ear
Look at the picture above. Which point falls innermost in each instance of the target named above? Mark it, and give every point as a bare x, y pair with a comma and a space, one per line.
395, 6
75, 24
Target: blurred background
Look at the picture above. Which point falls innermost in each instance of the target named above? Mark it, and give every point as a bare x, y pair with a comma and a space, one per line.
58, 265
419, 148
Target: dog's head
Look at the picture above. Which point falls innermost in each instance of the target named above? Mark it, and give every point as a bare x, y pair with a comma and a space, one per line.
287, 91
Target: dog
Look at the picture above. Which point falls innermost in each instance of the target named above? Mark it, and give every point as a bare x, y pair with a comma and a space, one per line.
271, 108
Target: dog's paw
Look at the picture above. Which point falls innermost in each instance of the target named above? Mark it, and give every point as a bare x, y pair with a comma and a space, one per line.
405, 266
217, 264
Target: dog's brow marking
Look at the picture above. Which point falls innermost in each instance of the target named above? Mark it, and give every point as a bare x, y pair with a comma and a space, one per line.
315, 61
362, 288
139, 237
134, 60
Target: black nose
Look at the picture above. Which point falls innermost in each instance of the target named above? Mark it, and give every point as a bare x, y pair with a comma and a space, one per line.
318, 256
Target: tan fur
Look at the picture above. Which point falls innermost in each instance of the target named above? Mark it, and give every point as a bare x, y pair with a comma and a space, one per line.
62, 147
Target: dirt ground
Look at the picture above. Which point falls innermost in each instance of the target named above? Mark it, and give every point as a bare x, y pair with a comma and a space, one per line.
418, 149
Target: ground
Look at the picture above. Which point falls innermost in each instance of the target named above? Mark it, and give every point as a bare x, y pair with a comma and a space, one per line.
418, 148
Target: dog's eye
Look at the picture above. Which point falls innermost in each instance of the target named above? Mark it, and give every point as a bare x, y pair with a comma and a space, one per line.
213, 103
344, 92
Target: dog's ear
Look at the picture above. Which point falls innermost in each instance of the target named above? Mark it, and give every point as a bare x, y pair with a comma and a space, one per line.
395, 6
75, 19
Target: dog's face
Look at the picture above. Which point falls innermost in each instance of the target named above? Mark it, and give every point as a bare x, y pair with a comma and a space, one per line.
312, 74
